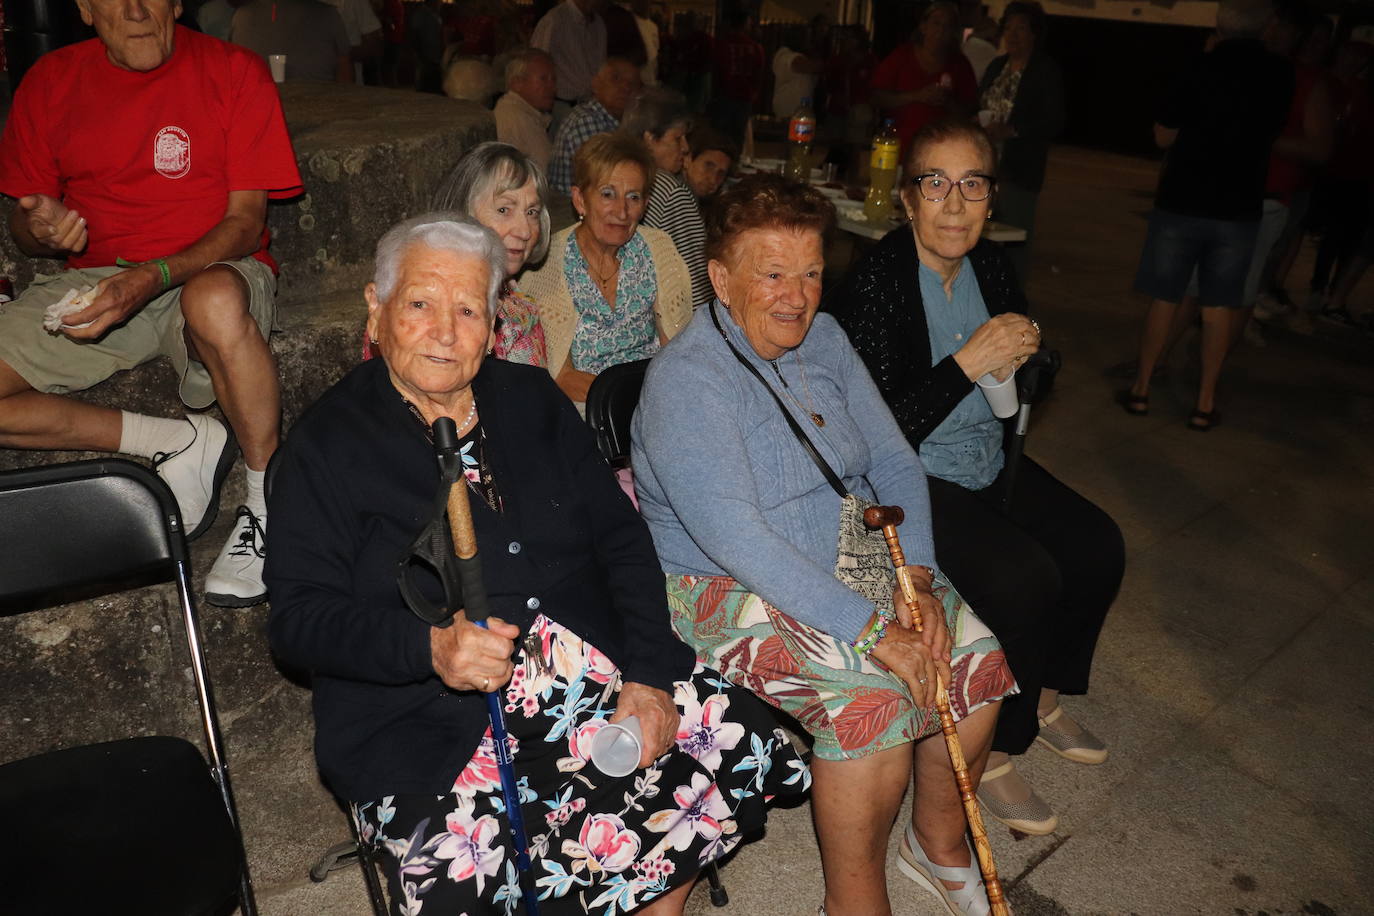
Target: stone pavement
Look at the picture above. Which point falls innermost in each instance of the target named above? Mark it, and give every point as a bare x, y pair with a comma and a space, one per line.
1230, 673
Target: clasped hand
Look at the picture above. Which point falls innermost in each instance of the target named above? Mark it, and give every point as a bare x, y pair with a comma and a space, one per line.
469, 657
1000, 346
921, 659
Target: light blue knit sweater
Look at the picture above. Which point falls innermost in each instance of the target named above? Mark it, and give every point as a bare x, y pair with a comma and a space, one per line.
727, 489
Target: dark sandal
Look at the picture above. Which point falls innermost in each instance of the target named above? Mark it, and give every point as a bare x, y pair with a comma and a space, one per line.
1203, 421
1134, 404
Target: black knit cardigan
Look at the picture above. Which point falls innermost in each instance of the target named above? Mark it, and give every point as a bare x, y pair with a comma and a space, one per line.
878, 303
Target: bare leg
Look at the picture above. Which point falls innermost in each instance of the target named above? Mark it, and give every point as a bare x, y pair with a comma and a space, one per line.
1216, 343
1165, 323
34, 420
670, 904
938, 813
1346, 281
854, 803
223, 335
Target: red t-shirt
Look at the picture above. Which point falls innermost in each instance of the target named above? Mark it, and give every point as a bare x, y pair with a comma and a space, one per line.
149, 158
900, 71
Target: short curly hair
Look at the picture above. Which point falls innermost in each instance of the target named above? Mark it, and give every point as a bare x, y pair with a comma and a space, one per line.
765, 202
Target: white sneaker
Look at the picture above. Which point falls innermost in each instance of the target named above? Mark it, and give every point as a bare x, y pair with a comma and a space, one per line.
196, 473
236, 578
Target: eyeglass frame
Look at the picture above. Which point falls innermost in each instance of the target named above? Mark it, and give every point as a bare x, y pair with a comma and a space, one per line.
990, 179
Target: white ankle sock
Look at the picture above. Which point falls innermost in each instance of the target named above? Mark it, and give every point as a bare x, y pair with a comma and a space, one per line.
146, 436
256, 499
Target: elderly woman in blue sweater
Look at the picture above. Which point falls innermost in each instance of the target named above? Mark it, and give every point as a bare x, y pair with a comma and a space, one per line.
744, 519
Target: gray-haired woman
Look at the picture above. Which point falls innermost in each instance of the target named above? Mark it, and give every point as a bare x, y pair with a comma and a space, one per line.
504, 190
660, 118
579, 635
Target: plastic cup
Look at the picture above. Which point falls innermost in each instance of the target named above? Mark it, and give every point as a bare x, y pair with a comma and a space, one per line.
616, 748
278, 64
1002, 397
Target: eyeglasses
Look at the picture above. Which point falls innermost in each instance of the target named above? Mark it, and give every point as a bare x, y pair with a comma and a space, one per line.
935, 187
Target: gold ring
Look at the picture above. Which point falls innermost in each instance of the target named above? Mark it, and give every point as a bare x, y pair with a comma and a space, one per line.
486, 681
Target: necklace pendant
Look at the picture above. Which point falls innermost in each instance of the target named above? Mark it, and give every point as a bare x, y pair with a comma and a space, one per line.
818, 419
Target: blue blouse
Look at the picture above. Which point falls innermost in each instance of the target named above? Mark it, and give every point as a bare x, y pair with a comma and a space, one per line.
966, 448
608, 336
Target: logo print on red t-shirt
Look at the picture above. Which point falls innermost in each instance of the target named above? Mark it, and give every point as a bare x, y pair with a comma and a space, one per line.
172, 152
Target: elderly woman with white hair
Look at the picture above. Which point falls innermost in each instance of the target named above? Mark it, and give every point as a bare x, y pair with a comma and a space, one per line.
579, 635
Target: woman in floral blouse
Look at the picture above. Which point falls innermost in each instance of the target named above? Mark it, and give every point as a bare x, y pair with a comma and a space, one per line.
504, 190
612, 291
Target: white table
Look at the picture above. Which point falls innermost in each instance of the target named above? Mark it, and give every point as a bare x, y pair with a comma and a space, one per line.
994, 231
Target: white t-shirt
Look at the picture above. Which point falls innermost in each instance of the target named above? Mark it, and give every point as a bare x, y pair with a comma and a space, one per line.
790, 88
648, 31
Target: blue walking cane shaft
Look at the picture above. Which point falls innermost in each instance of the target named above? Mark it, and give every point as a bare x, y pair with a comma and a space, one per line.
475, 607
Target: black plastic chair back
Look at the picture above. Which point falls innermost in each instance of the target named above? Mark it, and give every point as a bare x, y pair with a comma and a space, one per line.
90, 528
611, 403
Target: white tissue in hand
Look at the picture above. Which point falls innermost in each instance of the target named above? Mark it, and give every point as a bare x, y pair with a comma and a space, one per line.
74, 301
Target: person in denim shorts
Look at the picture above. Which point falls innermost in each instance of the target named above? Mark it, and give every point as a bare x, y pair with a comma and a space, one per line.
1218, 126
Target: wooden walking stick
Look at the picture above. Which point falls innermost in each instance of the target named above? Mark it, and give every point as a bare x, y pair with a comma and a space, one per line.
886, 519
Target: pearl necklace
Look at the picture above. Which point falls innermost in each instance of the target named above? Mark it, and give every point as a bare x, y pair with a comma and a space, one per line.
472, 412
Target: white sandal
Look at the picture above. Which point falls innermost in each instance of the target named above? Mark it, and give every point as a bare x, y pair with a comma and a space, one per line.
969, 900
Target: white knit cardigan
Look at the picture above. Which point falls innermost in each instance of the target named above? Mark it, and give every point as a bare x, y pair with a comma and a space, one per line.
547, 288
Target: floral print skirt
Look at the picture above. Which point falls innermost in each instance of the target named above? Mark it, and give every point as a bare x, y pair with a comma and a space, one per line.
598, 844
849, 705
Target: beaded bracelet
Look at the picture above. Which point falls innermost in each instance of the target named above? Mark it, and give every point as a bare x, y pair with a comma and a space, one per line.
869, 640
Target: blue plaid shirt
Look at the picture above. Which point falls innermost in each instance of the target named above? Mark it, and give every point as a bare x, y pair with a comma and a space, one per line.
586, 121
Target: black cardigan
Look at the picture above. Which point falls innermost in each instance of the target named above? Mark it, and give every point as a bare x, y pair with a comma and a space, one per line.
879, 305
356, 483
1037, 114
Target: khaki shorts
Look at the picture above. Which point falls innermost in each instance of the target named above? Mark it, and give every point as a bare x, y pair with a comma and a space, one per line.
56, 364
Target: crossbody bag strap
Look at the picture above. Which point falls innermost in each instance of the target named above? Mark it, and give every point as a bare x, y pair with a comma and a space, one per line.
830, 476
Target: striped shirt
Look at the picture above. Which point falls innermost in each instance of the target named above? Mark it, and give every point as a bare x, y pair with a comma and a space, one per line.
674, 209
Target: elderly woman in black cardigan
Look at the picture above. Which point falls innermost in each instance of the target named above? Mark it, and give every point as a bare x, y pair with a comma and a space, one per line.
1022, 94
930, 309
579, 635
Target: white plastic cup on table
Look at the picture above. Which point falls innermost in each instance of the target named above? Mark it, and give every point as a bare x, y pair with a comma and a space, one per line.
616, 747
1002, 396
278, 64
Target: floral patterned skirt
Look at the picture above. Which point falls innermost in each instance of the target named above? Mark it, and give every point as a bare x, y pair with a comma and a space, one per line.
848, 704
598, 844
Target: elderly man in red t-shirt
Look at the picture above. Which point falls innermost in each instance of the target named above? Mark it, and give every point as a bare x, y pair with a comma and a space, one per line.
145, 158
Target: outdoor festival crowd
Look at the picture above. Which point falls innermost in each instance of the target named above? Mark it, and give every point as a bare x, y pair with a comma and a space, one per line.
732, 568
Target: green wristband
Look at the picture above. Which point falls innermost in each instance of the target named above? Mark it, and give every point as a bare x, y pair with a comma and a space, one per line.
162, 269
166, 272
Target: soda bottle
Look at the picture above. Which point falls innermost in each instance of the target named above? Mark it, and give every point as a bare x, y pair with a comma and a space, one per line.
882, 173
801, 130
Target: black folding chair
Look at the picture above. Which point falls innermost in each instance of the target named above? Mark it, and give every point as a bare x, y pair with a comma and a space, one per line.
140, 825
